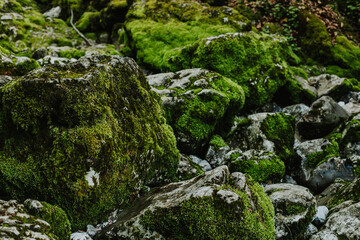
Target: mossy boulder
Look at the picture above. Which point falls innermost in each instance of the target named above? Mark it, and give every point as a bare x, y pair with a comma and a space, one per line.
33, 220
257, 62
214, 205
16, 66
91, 131
52, 214
295, 208
154, 28
342, 56
350, 191
333, 86
322, 118
261, 166
268, 132
322, 163
197, 104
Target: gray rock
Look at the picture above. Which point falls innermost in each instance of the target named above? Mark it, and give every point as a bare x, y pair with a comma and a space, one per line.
39, 53
311, 230
205, 165
324, 115
352, 108
306, 84
326, 173
91, 230
343, 224
53, 13
297, 110
330, 192
104, 38
216, 157
187, 168
294, 209
202, 163
320, 216
160, 79
16, 223
329, 85
52, 60
131, 224
80, 236
11, 16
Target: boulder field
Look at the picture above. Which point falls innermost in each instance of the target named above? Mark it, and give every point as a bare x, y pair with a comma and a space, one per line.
181, 119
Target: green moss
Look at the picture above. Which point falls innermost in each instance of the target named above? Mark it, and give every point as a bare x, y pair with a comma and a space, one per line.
197, 117
65, 129
217, 142
71, 53
293, 209
261, 59
56, 217
280, 129
343, 57
211, 218
315, 159
157, 27
153, 40
18, 69
89, 22
262, 169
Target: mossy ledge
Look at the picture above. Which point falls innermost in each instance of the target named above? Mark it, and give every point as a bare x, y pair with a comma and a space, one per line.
85, 136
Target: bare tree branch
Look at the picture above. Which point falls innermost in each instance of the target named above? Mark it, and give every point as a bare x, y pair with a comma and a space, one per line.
77, 30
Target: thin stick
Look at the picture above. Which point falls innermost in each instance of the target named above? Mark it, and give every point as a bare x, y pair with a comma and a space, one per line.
76, 30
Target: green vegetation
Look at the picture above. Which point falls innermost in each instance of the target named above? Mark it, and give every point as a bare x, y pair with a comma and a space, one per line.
315, 159
54, 134
56, 217
212, 218
198, 116
217, 142
265, 168
280, 129
257, 62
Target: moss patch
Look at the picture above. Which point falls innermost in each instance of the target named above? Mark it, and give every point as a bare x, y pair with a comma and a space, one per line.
280, 129
265, 168
211, 218
61, 124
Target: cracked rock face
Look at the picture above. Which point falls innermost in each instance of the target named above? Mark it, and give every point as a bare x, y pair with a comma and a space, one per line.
294, 209
188, 210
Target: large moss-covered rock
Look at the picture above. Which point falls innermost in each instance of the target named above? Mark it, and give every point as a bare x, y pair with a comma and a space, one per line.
215, 205
342, 57
154, 28
33, 220
85, 136
257, 62
197, 103
268, 132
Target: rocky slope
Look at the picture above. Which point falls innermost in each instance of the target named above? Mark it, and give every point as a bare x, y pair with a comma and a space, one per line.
179, 119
